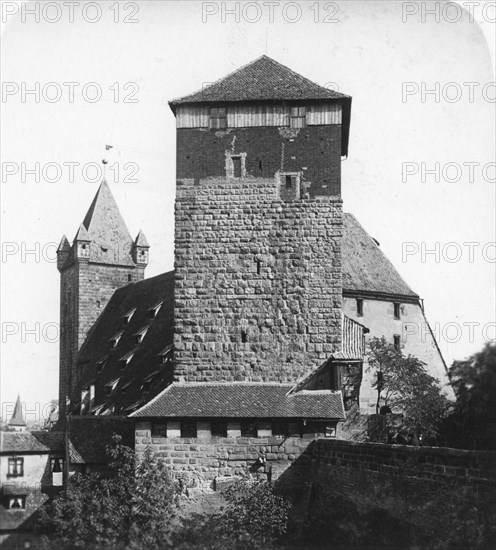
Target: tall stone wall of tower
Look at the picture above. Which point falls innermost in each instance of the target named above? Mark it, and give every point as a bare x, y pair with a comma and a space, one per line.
258, 286
85, 289
315, 151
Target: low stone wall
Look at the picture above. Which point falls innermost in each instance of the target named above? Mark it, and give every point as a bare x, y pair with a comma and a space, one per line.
426, 486
204, 460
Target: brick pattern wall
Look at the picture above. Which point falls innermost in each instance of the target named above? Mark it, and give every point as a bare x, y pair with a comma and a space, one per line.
258, 281
315, 151
425, 486
202, 460
85, 289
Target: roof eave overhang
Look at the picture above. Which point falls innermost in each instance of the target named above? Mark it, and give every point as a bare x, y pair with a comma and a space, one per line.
376, 295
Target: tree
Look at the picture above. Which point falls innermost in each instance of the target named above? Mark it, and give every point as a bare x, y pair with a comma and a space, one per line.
252, 517
130, 507
473, 422
406, 387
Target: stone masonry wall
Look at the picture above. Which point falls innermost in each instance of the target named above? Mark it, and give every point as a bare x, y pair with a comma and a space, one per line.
202, 460
85, 289
426, 486
258, 281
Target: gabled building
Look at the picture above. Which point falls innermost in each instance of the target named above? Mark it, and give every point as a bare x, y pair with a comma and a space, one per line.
255, 344
32, 468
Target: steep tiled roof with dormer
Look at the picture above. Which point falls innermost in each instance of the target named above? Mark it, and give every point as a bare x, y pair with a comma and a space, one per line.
123, 356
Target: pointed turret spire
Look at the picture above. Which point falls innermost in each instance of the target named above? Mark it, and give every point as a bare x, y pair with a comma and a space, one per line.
63, 252
111, 242
17, 421
140, 249
82, 235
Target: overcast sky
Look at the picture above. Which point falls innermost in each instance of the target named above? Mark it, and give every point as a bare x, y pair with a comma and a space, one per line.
376, 52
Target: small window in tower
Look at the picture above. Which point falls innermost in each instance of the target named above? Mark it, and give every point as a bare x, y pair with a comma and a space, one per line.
244, 337
397, 311
260, 165
298, 118
259, 266
98, 304
359, 304
397, 341
129, 277
218, 118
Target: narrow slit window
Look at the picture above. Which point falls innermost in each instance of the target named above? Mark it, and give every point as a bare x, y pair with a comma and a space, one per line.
397, 310
244, 337
359, 305
259, 266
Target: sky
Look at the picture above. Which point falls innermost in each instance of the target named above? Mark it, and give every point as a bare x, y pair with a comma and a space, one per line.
419, 177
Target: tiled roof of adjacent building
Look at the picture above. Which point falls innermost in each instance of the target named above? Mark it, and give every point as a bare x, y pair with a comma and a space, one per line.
242, 400
85, 448
31, 442
365, 267
139, 318
262, 79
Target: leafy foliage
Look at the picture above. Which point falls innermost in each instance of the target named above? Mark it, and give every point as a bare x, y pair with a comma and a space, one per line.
406, 387
130, 507
254, 517
473, 422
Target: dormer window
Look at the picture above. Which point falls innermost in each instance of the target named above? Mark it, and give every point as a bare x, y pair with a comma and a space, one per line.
125, 386
110, 386
166, 355
141, 334
17, 503
127, 317
115, 339
298, 117
124, 360
101, 364
153, 311
218, 118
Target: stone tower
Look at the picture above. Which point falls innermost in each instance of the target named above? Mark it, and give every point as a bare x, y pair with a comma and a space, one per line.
102, 258
258, 231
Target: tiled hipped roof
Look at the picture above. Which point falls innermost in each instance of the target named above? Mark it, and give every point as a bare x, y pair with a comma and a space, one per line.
242, 400
262, 79
119, 373
267, 80
365, 267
